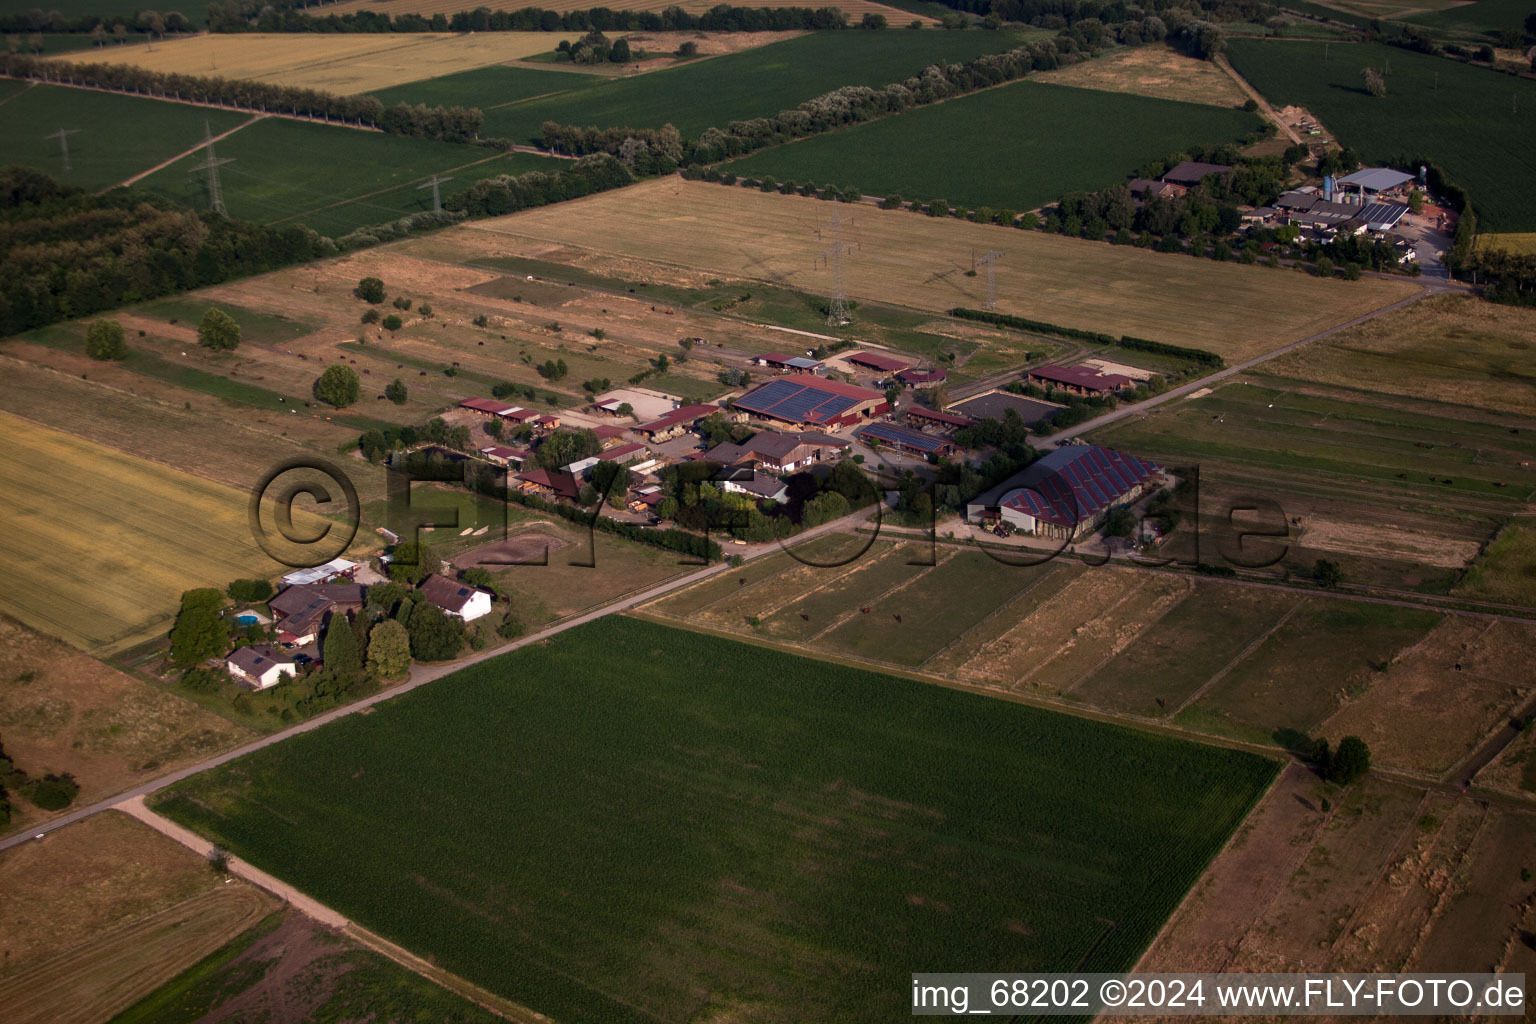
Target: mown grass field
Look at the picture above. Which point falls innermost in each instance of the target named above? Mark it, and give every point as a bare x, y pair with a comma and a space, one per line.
104, 574
1475, 123
118, 136
330, 178
341, 63
1274, 428
753, 837
1450, 348
1154, 70
1019, 146
1506, 571
652, 230
751, 83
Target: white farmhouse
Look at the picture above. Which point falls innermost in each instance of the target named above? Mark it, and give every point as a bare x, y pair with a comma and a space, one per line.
458, 599
259, 665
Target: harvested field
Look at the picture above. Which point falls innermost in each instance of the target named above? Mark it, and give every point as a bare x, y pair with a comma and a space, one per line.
1389, 542
1455, 349
759, 837
1483, 920
657, 230
1522, 242
63, 711
87, 879
342, 63
1200, 637
105, 576
1085, 610
152, 423
1041, 584
1393, 879
1328, 652
96, 979
1152, 70
1360, 838
1442, 696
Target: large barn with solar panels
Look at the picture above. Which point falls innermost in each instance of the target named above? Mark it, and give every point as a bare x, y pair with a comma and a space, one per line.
812, 403
1067, 493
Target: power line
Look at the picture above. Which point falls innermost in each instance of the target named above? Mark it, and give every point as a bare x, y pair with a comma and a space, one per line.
990, 261
437, 196
211, 164
837, 309
63, 135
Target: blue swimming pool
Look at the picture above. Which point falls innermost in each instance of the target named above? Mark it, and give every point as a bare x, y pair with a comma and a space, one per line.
247, 619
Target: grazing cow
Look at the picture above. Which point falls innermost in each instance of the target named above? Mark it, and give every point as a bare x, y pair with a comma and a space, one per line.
805, 617
896, 617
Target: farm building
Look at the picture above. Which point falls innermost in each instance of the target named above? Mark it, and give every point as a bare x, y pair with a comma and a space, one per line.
623, 454
996, 404
260, 666
922, 378
1078, 380
789, 364
778, 452
1382, 216
517, 414
912, 442
761, 486
607, 435
675, 423
559, 485
303, 610
1146, 188
336, 567
813, 402
1190, 173
1067, 493
501, 455
924, 419
646, 498
880, 362
1372, 181
457, 599
610, 406
487, 407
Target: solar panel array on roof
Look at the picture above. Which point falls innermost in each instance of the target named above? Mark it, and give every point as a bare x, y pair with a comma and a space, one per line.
913, 439
795, 401
1071, 485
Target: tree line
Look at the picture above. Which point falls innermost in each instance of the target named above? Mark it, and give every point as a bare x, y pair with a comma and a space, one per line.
66, 254
256, 16
453, 124
506, 193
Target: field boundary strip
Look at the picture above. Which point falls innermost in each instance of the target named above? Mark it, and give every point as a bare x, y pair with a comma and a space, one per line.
838, 620
1240, 657
1114, 652
1071, 642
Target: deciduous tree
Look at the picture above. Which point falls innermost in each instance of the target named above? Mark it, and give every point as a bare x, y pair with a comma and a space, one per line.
338, 386
104, 340
218, 330
389, 650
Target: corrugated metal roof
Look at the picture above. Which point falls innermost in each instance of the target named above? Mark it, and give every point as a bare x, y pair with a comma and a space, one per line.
915, 439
